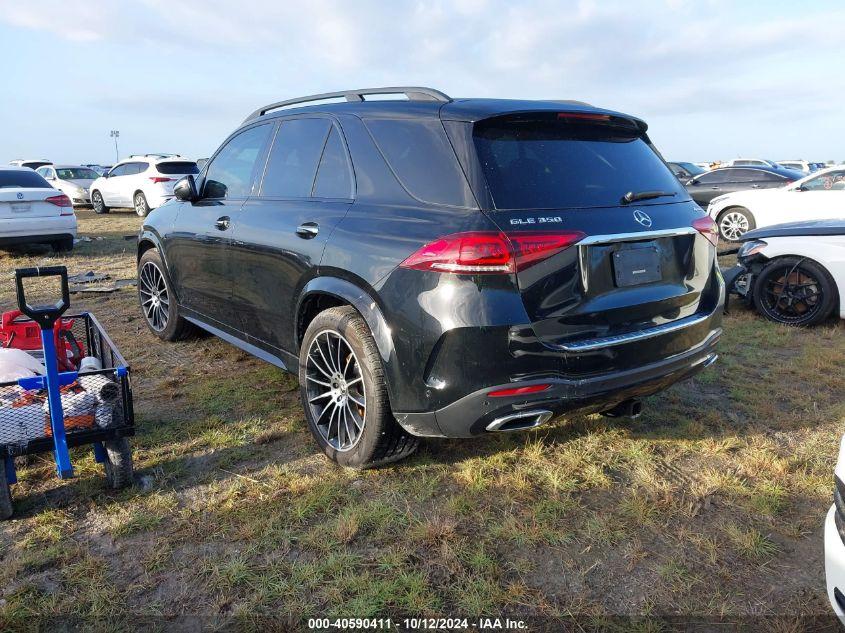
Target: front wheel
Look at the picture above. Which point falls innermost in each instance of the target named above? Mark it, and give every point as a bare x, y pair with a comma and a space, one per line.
344, 394
735, 222
157, 300
795, 291
98, 204
140, 204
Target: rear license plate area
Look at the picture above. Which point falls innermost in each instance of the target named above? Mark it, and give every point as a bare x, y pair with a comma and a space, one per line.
21, 207
636, 265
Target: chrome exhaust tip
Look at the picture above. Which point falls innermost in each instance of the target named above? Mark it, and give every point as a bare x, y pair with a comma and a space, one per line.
520, 421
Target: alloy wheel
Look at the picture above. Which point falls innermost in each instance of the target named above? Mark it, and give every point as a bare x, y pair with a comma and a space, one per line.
733, 225
97, 201
335, 390
155, 300
792, 294
140, 204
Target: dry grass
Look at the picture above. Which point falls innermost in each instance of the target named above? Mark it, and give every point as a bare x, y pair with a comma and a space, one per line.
710, 504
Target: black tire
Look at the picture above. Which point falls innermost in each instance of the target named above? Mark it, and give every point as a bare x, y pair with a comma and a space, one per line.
7, 509
118, 464
97, 203
735, 222
139, 202
173, 327
381, 439
795, 291
62, 246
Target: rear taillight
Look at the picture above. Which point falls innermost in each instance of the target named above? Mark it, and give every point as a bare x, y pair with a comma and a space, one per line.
61, 201
489, 252
707, 227
158, 179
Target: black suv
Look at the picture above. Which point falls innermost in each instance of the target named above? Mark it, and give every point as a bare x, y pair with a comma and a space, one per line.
440, 267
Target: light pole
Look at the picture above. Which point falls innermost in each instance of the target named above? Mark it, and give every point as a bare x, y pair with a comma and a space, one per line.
115, 134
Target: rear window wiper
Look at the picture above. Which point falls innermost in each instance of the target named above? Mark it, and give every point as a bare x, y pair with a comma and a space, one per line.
631, 196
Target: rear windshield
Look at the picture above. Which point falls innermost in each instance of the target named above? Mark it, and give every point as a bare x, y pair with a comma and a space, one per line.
27, 179
562, 161
178, 167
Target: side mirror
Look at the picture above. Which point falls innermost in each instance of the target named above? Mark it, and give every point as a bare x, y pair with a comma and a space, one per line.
692, 182
186, 189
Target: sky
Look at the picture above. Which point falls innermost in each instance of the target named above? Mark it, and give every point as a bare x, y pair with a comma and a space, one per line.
714, 79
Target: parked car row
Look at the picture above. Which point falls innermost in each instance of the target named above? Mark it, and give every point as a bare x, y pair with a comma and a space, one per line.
142, 181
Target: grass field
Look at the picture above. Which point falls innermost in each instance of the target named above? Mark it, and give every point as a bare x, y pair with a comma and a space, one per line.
710, 504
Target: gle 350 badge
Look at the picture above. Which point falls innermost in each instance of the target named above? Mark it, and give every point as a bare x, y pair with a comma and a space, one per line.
553, 219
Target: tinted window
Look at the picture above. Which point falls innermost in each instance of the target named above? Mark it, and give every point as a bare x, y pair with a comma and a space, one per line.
293, 159
120, 170
178, 167
334, 178
548, 163
420, 155
767, 176
746, 175
230, 174
715, 177
26, 179
138, 168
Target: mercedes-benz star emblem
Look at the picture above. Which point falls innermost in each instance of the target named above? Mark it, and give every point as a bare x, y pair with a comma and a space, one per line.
643, 218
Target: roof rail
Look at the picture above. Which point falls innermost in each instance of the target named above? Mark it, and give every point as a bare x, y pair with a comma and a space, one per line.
414, 93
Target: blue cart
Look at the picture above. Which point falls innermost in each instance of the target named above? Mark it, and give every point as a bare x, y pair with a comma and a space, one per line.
62, 409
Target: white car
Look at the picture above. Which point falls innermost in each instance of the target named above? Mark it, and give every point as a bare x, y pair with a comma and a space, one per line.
801, 165
140, 182
749, 162
72, 180
819, 196
31, 163
31, 211
792, 273
834, 540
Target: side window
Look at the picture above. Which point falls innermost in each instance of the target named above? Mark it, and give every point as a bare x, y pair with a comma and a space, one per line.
334, 176
43, 172
120, 170
419, 153
714, 177
746, 175
231, 173
831, 181
767, 176
140, 168
292, 164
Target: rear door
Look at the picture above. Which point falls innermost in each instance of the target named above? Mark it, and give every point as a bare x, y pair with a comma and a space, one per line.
633, 266
306, 190
199, 249
707, 186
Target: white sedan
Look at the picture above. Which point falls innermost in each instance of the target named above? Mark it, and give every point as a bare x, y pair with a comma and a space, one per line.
819, 196
834, 540
32, 212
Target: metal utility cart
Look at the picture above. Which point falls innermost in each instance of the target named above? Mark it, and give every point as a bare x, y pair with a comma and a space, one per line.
83, 397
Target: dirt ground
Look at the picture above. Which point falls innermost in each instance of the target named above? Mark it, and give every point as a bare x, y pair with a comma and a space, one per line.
710, 505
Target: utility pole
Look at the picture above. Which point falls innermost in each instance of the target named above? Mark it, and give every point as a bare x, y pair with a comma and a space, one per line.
115, 134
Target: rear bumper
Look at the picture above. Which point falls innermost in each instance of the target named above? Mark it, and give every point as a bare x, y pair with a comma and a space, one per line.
472, 414
37, 230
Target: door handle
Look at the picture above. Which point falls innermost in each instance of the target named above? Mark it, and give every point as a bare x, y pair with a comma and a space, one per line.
308, 230
714, 188
222, 223
755, 186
